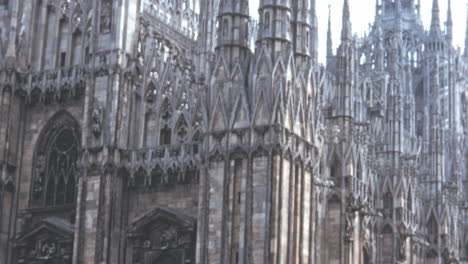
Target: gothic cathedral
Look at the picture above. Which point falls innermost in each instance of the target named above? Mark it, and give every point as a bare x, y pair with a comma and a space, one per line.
187, 132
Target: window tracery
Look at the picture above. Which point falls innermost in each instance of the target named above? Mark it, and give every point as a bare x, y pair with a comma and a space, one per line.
55, 170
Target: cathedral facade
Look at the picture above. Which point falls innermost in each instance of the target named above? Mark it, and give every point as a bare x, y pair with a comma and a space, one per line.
184, 131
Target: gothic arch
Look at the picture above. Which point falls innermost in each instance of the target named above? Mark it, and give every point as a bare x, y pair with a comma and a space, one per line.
181, 130
409, 200
55, 162
165, 120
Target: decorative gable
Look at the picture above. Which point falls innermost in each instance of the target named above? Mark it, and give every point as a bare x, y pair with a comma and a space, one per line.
50, 241
163, 236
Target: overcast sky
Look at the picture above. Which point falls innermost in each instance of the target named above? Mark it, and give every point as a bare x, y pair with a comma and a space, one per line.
363, 12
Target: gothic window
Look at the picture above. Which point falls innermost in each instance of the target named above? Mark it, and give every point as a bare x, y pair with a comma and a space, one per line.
197, 140
409, 204
246, 34
225, 28
165, 136
335, 171
359, 171
432, 229
267, 21
388, 201
236, 33
54, 175
181, 130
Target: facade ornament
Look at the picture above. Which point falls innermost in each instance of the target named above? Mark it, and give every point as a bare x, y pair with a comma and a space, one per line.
106, 16
335, 134
48, 250
349, 225
96, 120
77, 18
402, 247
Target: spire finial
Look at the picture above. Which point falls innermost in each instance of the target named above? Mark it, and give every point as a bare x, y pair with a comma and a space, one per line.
466, 35
435, 22
449, 22
329, 35
314, 34
377, 8
346, 29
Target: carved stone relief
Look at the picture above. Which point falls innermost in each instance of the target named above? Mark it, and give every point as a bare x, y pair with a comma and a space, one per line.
96, 120
106, 16
163, 236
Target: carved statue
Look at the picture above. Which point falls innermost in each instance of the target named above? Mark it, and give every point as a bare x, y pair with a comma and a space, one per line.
402, 247
168, 237
106, 16
48, 250
335, 134
96, 120
21, 42
349, 226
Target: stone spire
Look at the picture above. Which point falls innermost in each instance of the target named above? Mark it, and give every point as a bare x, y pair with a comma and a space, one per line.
449, 22
346, 29
377, 7
435, 22
314, 34
233, 42
207, 36
466, 37
379, 48
345, 66
329, 35
330, 56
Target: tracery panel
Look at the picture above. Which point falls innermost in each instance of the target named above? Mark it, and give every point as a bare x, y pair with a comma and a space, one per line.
55, 166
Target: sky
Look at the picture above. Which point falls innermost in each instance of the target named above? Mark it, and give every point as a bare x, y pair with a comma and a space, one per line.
363, 12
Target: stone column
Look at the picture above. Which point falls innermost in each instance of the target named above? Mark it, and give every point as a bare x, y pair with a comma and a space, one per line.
216, 177
260, 180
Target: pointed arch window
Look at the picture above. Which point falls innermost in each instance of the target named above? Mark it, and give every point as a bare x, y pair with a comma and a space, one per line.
388, 204
181, 130
55, 165
197, 140
165, 135
335, 173
432, 229
267, 21
225, 28
409, 203
359, 170
388, 201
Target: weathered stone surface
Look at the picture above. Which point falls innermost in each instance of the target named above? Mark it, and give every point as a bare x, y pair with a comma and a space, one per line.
150, 131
